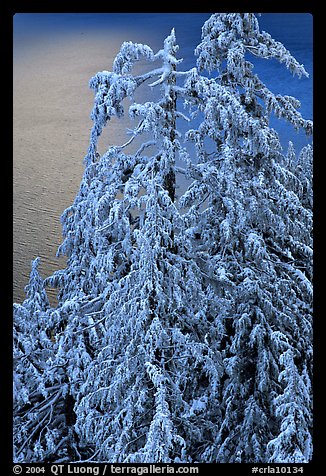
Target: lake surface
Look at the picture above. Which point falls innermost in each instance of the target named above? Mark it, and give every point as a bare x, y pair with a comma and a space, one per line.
55, 55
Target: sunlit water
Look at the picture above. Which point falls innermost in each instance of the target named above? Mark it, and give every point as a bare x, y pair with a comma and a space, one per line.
54, 58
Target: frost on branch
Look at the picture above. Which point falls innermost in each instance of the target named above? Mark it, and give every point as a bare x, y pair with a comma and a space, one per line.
226, 40
247, 209
229, 35
183, 329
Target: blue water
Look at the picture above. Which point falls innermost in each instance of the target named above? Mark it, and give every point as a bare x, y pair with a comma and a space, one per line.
72, 48
294, 30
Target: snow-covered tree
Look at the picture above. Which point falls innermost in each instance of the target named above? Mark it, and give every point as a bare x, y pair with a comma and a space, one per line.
156, 370
183, 326
40, 386
256, 226
293, 444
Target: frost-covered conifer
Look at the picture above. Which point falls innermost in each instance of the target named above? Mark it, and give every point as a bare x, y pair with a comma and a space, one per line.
183, 326
252, 210
40, 430
158, 368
